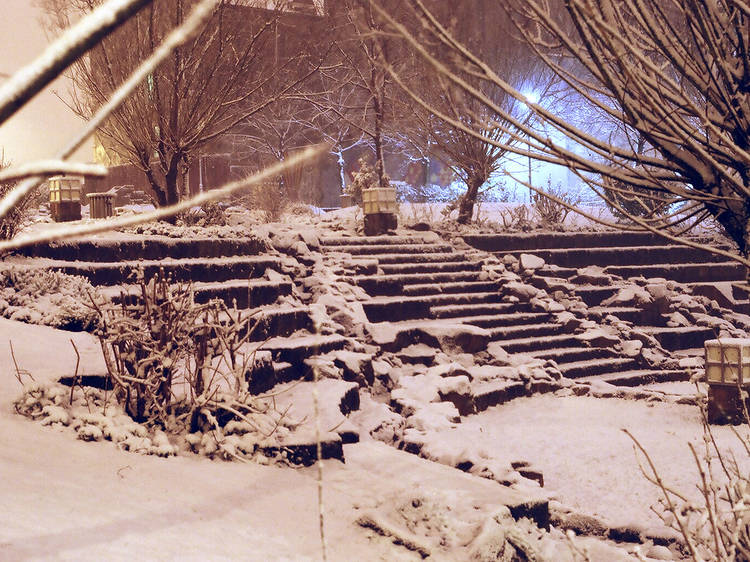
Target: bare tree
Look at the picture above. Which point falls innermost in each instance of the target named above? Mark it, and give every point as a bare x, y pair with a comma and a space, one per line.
357, 77
485, 28
221, 78
674, 73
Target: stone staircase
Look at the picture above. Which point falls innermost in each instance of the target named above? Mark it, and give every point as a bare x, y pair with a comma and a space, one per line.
414, 279
239, 271
643, 258
628, 255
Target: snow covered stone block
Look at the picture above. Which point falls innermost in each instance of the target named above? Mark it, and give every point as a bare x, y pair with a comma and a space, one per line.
728, 377
303, 450
495, 393
530, 261
450, 338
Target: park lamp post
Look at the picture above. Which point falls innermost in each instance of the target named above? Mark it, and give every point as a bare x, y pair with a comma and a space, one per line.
728, 377
65, 198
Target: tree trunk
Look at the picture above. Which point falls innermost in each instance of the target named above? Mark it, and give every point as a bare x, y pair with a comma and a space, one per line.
377, 108
469, 199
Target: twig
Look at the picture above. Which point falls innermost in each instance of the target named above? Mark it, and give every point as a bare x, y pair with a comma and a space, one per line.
19, 372
75, 376
667, 498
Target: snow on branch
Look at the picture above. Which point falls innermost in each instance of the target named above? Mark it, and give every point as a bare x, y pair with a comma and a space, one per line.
50, 168
176, 38
91, 29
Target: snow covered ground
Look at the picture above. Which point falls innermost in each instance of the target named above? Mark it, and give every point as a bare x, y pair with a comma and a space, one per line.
64, 499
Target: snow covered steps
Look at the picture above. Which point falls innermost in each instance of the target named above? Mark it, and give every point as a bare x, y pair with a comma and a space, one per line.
394, 308
577, 257
240, 271
178, 270
132, 247
623, 254
639, 377
245, 293
289, 358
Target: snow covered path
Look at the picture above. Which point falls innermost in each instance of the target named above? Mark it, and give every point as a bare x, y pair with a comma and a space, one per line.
64, 499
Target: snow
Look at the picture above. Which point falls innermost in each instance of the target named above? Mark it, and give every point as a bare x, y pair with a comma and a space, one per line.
64, 499
588, 463
67, 499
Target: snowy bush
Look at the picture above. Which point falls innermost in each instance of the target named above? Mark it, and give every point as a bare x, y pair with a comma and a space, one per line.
210, 213
165, 353
364, 178
42, 296
551, 213
12, 223
223, 426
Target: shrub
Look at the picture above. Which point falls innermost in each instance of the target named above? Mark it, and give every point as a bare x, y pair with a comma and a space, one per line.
167, 354
12, 222
364, 178
636, 202
550, 213
49, 297
210, 213
516, 218
266, 198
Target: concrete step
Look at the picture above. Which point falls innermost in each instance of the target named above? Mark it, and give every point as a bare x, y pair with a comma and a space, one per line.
592, 367
441, 267
295, 350
638, 377
626, 313
429, 257
540, 331
593, 295
245, 293
536, 344
178, 270
456, 287
381, 309
280, 322
550, 284
374, 250
673, 339
533, 241
683, 273
556, 271
335, 241
729, 294
577, 257
144, 247
740, 290
499, 320
456, 311
563, 355
392, 284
